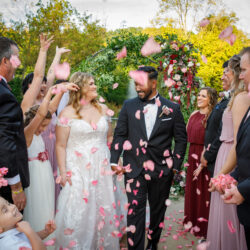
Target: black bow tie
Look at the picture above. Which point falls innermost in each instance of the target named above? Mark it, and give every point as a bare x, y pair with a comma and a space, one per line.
146, 102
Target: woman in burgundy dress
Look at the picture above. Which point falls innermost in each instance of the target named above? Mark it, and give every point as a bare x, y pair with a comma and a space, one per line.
197, 196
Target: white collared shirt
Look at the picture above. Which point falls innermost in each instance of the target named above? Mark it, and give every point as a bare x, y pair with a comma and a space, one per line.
1, 77
150, 116
13, 240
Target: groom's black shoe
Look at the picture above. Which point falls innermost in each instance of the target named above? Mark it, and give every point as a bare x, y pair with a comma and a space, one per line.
151, 245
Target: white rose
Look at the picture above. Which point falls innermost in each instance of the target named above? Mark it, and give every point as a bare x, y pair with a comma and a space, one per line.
177, 77
190, 64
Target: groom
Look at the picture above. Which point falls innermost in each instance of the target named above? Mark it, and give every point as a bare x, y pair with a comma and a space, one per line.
148, 123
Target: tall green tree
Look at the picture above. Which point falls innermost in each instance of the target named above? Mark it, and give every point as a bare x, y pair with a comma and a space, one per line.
71, 29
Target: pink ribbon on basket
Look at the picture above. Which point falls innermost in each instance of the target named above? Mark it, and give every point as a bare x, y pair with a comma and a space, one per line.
42, 156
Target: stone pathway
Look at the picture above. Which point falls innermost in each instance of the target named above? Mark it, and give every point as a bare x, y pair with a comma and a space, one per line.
173, 216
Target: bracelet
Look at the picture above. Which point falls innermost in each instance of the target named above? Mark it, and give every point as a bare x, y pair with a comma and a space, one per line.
17, 192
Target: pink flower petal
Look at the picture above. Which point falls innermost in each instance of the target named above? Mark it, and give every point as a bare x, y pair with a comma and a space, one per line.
198, 191
140, 77
204, 22
15, 61
226, 32
122, 53
110, 112
195, 156
204, 59
149, 165
168, 202
95, 182
147, 177
138, 114
169, 162
127, 145
188, 225
130, 241
202, 219
175, 237
161, 173
93, 150
161, 225
230, 226
78, 154
138, 184
102, 212
68, 231
72, 243
50, 242
150, 47
116, 146
135, 191
101, 99
62, 71
135, 202
115, 85
64, 121
231, 39
166, 153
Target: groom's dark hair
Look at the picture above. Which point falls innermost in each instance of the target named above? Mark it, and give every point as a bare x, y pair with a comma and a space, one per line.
5, 47
152, 72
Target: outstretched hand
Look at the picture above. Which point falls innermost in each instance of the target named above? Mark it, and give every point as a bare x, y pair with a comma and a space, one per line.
62, 50
45, 42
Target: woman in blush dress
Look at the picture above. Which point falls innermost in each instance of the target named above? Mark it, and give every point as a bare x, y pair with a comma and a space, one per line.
197, 196
86, 204
221, 215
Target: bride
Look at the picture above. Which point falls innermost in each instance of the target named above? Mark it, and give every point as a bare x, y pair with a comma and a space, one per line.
86, 205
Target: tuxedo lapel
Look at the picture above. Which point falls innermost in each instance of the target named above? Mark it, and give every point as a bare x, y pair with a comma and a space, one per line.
243, 125
5, 84
142, 119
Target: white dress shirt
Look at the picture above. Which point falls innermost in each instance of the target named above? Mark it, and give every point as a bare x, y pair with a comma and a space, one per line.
150, 117
15, 179
13, 240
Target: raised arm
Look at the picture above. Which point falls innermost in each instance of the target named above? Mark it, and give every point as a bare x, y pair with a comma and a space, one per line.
62, 135
33, 91
30, 130
56, 60
240, 106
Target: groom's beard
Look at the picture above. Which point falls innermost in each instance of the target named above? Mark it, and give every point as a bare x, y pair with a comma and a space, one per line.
147, 94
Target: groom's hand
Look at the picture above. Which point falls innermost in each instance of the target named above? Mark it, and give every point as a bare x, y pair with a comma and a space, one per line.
118, 169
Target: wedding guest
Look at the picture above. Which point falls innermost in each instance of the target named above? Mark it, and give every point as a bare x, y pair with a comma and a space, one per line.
42, 187
197, 196
218, 233
146, 127
17, 234
13, 150
86, 203
240, 195
213, 128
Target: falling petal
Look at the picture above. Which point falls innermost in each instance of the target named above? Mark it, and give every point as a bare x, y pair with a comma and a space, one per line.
169, 162
230, 226
127, 145
195, 156
138, 114
68, 231
122, 53
204, 59
150, 47
168, 202
204, 22
147, 177
140, 77
101, 99
110, 112
50, 242
62, 71
115, 85
226, 32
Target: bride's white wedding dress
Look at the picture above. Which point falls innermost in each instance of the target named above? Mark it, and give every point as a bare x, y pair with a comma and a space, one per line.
86, 213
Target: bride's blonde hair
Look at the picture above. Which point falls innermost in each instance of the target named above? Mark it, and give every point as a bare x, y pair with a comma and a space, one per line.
81, 79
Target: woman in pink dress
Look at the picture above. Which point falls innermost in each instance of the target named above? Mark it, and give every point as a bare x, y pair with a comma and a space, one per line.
197, 196
221, 214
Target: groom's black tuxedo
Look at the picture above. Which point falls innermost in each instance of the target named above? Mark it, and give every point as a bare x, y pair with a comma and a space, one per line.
13, 149
165, 129
156, 190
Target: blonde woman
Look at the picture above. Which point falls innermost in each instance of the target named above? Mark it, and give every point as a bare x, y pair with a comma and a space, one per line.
86, 204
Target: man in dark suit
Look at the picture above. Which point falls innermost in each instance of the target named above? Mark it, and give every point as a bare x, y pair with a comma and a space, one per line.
149, 123
13, 150
214, 124
240, 195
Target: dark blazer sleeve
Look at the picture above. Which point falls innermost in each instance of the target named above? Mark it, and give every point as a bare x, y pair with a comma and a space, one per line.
244, 189
180, 138
120, 134
9, 127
